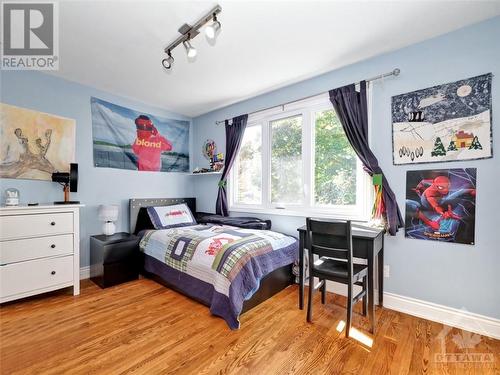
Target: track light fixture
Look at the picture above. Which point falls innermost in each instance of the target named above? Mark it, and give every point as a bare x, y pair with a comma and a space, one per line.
168, 62
213, 30
190, 50
188, 32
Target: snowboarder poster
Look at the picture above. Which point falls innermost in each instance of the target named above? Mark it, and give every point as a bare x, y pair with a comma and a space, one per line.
449, 122
127, 139
441, 205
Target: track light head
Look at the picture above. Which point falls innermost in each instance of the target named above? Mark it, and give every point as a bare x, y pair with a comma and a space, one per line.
190, 50
168, 62
211, 31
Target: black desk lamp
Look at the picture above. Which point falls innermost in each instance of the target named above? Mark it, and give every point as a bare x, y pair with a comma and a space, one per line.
69, 181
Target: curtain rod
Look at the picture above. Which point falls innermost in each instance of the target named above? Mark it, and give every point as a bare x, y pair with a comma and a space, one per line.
394, 72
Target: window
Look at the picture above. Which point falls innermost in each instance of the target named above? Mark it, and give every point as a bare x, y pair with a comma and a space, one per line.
286, 160
298, 161
334, 162
248, 183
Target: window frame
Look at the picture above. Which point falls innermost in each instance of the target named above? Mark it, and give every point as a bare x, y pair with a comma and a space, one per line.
269, 120
308, 108
232, 176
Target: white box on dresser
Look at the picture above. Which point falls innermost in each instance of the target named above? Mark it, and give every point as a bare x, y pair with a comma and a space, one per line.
39, 250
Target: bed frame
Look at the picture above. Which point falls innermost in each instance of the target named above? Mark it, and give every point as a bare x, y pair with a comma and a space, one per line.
271, 284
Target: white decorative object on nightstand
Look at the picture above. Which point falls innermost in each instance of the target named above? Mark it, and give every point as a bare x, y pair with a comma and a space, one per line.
39, 250
108, 214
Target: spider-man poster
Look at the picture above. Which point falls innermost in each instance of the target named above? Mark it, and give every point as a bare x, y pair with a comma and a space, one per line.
441, 205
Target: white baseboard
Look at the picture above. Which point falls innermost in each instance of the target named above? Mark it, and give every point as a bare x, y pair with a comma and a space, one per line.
341, 289
85, 273
443, 314
450, 316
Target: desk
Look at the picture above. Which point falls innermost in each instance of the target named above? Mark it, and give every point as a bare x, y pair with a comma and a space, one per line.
367, 243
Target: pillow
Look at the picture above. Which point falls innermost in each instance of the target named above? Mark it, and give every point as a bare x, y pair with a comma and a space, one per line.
177, 215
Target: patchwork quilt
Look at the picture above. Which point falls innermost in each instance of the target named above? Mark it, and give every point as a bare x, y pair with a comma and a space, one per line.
218, 265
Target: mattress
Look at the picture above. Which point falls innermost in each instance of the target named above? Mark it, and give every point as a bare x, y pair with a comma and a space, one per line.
218, 265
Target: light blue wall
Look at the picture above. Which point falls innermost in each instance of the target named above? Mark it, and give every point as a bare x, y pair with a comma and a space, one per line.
453, 275
46, 93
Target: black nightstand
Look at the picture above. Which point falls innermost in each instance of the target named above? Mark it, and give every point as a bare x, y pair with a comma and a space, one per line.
114, 259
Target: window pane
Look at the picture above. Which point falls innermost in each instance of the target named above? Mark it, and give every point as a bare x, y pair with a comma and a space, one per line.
286, 160
335, 162
249, 168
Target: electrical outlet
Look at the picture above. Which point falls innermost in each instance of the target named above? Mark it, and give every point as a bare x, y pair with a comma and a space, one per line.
387, 270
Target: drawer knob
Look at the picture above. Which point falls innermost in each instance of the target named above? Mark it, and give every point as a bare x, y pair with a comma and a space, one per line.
53, 246
53, 273
53, 223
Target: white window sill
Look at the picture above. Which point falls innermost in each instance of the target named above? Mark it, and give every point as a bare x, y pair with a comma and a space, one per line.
320, 214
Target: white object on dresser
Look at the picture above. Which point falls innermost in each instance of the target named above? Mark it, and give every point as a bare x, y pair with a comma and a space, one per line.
39, 250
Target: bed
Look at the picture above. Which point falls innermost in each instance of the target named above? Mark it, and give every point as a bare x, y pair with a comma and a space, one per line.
227, 268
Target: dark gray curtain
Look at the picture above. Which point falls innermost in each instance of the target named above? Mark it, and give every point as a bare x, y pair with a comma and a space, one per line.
352, 109
234, 136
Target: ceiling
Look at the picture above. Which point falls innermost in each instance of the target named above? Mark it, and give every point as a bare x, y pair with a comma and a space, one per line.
117, 46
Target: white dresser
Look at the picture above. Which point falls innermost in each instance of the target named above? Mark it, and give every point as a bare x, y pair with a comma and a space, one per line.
39, 250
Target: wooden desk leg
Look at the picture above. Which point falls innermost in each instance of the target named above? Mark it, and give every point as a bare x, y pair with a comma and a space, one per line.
371, 290
301, 271
381, 275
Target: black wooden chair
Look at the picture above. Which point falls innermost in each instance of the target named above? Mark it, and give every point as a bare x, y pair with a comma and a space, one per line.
332, 242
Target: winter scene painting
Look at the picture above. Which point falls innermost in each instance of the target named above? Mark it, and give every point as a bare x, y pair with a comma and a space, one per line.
449, 122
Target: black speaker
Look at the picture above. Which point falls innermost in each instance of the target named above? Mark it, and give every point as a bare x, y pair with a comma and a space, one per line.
69, 181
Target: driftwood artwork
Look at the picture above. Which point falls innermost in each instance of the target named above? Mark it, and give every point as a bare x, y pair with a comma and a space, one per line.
33, 145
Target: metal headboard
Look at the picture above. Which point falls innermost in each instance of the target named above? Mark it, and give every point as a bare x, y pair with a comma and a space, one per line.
135, 204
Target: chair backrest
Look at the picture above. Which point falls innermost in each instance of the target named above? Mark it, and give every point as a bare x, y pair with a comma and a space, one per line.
330, 238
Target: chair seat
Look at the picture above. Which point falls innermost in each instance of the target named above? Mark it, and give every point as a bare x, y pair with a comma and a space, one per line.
337, 269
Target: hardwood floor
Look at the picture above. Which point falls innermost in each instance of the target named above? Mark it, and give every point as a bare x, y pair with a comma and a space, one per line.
142, 327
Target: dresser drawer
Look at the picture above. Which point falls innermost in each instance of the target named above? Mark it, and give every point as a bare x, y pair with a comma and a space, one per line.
33, 275
20, 226
34, 248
